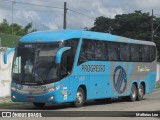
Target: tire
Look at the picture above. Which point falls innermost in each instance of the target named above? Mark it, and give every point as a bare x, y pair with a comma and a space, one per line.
133, 94
140, 93
80, 98
39, 105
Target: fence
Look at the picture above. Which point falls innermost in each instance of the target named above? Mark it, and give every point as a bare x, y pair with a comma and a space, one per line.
7, 40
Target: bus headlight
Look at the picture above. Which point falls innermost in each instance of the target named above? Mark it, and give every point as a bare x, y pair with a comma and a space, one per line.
50, 90
54, 88
58, 87
13, 88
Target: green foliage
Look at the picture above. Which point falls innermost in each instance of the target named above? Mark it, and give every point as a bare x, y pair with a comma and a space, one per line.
135, 25
8, 40
18, 30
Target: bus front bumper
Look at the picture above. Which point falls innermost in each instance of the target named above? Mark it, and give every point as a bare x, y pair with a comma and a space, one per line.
50, 97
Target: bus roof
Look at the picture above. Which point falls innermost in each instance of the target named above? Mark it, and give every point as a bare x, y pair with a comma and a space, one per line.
51, 36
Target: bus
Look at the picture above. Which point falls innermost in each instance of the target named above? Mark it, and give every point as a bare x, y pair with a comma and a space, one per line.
75, 66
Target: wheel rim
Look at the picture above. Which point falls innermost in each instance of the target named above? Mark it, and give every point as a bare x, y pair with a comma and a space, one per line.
140, 92
133, 93
79, 97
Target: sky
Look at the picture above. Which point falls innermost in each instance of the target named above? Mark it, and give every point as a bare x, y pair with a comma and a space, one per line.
48, 14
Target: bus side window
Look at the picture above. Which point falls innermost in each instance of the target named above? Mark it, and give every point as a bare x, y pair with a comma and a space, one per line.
135, 53
144, 52
113, 51
87, 51
152, 53
100, 50
124, 52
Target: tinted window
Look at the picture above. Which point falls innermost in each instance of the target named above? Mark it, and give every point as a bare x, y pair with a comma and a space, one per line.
68, 57
73, 44
113, 51
152, 53
87, 51
135, 53
100, 50
124, 52
145, 53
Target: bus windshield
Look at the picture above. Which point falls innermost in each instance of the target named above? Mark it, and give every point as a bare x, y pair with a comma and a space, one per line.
34, 63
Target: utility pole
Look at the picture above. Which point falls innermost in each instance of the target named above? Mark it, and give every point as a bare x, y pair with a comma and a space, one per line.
0, 42
12, 14
64, 18
152, 32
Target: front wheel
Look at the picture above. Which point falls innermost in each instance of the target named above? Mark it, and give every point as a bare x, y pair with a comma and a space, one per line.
133, 94
80, 98
39, 105
140, 93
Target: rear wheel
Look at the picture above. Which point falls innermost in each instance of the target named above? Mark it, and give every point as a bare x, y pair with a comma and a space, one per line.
133, 94
39, 105
140, 93
80, 98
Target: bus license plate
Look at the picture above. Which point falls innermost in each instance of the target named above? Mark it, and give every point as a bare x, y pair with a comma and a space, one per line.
31, 98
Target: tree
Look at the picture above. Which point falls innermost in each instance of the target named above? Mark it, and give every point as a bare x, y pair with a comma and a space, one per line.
102, 24
5, 27
136, 25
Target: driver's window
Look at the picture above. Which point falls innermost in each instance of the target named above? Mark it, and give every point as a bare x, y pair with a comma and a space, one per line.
17, 65
68, 57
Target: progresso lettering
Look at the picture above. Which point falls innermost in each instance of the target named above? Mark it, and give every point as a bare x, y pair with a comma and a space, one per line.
93, 68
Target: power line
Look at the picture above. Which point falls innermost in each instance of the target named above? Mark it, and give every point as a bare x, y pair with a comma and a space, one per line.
50, 7
157, 15
27, 10
81, 13
33, 4
76, 15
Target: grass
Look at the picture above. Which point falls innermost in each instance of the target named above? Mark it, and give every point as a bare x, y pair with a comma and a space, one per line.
12, 103
158, 87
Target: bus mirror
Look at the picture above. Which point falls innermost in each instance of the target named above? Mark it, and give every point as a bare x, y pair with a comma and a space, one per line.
6, 53
60, 52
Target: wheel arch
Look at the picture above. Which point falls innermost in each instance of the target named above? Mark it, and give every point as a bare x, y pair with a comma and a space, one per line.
144, 86
84, 88
136, 84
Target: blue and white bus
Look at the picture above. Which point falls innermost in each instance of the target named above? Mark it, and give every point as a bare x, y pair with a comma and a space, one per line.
76, 65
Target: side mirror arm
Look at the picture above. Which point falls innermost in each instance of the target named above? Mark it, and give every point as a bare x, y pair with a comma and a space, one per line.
6, 53
59, 54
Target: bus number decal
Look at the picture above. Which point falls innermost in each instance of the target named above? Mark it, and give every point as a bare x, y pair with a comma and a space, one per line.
119, 79
93, 68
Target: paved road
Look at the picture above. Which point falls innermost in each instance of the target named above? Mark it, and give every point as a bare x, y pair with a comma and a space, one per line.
151, 102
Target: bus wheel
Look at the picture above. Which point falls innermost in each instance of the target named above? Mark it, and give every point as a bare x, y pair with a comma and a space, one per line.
133, 94
39, 105
140, 93
80, 97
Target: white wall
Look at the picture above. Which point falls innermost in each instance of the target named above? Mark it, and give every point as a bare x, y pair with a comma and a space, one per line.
158, 72
5, 75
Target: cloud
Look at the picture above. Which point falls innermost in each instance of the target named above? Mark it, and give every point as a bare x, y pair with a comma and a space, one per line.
147, 4
81, 13
25, 17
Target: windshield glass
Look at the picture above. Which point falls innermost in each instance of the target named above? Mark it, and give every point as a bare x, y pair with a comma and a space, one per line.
35, 63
